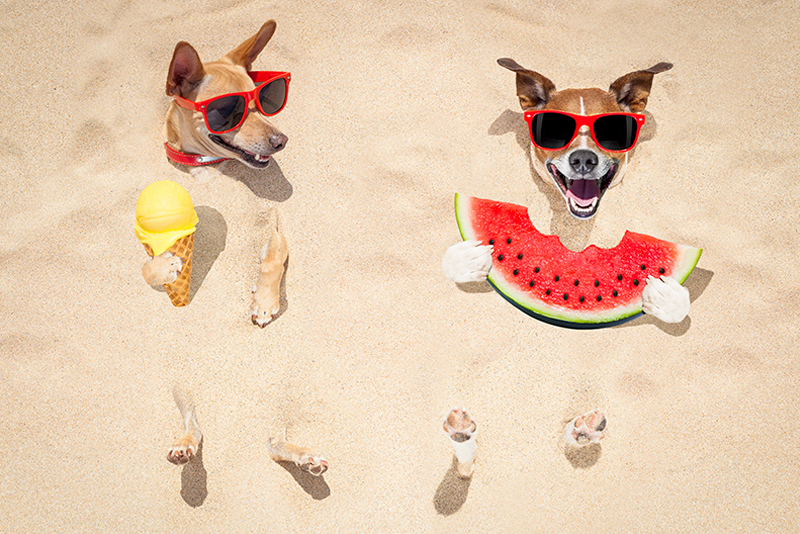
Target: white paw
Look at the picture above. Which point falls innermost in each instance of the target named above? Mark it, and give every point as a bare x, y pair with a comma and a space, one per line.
585, 429
174, 265
665, 299
468, 261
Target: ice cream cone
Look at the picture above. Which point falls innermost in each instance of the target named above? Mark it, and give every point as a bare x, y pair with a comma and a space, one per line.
178, 290
165, 222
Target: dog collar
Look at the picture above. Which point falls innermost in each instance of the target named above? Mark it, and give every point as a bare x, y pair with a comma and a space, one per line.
193, 160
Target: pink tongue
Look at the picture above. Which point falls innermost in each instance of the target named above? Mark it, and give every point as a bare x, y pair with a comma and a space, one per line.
583, 192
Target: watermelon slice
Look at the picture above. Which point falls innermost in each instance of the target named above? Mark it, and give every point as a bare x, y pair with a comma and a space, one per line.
593, 288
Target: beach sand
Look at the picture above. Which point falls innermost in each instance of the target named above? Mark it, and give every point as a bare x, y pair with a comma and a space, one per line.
393, 107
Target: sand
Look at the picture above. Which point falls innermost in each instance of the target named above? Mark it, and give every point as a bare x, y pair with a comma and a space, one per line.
393, 107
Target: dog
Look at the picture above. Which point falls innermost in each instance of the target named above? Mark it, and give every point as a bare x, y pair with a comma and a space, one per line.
583, 170
198, 134
267, 288
185, 447
282, 451
582, 159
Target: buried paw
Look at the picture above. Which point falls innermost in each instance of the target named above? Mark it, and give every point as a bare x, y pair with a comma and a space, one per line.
585, 429
468, 261
665, 299
182, 451
162, 269
316, 465
459, 425
261, 315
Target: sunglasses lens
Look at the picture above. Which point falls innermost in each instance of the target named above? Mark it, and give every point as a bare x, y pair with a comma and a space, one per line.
552, 130
272, 96
616, 132
225, 113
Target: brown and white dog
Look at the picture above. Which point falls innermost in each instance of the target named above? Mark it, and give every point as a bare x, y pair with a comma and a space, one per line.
582, 171
255, 141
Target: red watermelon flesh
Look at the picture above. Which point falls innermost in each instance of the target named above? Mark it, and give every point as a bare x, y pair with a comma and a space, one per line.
593, 288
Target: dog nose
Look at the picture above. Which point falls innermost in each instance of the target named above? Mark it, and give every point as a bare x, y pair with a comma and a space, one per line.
278, 141
583, 161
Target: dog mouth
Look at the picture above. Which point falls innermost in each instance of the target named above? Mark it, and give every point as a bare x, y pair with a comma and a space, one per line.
250, 158
583, 196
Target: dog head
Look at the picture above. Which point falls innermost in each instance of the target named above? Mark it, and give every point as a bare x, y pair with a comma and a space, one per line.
582, 171
252, 143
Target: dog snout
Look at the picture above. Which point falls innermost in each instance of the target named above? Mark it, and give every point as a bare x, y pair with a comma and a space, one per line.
583, 161
278, 141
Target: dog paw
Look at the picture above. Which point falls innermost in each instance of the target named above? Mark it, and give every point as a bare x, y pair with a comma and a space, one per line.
162, 269
261, 315
665, 299
316, 465
459, 425
585, 429
182, 451
468, 261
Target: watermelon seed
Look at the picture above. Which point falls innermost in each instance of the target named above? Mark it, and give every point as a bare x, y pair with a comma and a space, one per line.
500, 257
576, 283
566, 296
599, 298
547, 292
508, 240
642, 267
491, 241
556, 278
661, 270
597, 283
615, 293
619, 277
519, 256
636, 282
531, 284
583, 298
536, 270
516, 272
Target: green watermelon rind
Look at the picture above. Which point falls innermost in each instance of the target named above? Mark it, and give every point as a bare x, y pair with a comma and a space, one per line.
688, 258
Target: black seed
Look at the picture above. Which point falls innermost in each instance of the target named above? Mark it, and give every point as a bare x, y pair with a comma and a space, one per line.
516, 272
636, 282
508, 240
547, 292
599, 298
532, 283
519, 256
536, 270
642, 267
576, 283
661, 270
582, 298
615, 293
566, 296
556, 278
491, 241
597, 283
619, 277
500, 257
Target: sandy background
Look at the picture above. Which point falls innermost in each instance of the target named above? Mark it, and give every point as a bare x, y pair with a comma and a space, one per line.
393, 107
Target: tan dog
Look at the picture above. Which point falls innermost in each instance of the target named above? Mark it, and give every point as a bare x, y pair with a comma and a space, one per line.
282, 451
185, 447
254, 142
582, 171
267, 289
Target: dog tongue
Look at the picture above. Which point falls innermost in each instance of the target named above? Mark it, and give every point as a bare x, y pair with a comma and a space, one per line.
583, 192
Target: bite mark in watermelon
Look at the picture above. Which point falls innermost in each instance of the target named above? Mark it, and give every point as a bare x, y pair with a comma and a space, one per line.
593, 288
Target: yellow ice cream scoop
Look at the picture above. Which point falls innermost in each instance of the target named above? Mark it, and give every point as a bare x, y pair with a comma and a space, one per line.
164, 214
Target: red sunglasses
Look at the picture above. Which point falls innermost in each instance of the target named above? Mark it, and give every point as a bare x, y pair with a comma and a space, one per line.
555, 130
227, 112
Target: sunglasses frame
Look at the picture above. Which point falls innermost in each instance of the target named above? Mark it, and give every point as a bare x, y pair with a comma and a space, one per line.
581, 121
262, 77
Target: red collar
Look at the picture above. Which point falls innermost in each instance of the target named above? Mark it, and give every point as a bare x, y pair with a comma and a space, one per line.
193, 160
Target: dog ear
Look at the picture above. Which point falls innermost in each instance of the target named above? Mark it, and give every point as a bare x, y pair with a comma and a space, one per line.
533, 89
631, 91
248, 51
185, 70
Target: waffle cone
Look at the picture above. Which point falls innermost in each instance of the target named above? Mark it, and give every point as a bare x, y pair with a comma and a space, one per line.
178, 290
